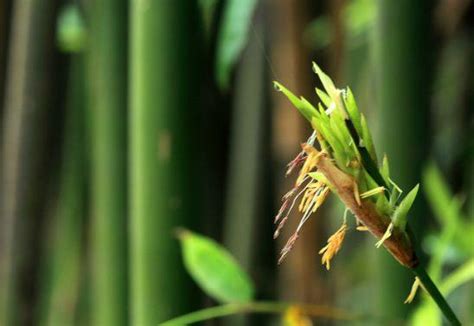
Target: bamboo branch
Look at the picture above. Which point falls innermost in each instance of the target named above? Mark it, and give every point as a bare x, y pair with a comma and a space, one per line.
398, 244
259, 307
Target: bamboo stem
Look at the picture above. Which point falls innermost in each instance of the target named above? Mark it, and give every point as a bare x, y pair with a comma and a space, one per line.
401, 47
259, 307
61, 271
107, 54
162, 119
28, 103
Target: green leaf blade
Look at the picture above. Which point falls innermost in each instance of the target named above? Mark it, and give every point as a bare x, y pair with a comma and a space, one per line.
401, 212
305, 108
323, 97
233, 35
326, 81
353, 110
367, 138
214, 269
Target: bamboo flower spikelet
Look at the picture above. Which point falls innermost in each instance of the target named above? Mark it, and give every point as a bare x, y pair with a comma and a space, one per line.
345, 163
340, 157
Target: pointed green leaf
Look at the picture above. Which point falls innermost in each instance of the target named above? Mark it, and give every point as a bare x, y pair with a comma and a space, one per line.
298, 103
323, 115
326, 81
343, 139
395, 191
316, 125
324, 97
399, 217
367, 138
353, 110
385, 170
309, 108
340, 123
395, 194
214, 269
336, 146
332, 91
337, 131
322, 110
233, 35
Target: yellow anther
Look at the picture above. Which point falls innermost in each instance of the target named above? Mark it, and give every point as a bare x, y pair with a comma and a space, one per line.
372, 192
333, 246
413, 291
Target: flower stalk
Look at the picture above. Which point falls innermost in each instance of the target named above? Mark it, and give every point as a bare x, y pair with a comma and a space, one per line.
262, 307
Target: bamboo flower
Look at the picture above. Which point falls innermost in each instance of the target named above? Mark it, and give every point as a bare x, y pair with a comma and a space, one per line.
339, 157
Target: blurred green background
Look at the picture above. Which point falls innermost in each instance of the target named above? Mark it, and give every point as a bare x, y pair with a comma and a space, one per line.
122, 120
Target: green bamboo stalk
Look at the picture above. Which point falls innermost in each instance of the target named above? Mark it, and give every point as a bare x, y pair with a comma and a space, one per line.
402, 64
27, 102
246, 155
243, 200
469, 186
107, 89
162, 71
61, 272
4, 29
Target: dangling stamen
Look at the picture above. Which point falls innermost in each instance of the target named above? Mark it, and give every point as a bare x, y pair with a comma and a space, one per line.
280, 226
286, 201
283, 221
311, 189
333, 246
301, 157
314, 192
324, 192
288, 246
311, 160
413, 291
306, 214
